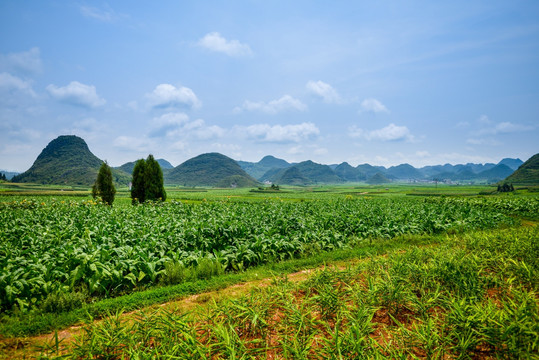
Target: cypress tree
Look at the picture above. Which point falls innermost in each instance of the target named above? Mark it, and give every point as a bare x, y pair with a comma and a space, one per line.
138, 192
155, 189
103, 185
147, 181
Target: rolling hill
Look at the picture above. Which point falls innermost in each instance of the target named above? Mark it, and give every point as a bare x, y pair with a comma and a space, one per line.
349, 173
128, 167
377, 179
512, 163
404, 171
527, 173
497, 173
307, 171
212, 169
67, 160
259, 169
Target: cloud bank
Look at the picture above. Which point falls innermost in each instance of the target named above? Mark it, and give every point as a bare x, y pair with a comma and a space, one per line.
76, 93
215, 42
373, 105
391, 132
325, 91
167, 95
279, 133
285, 103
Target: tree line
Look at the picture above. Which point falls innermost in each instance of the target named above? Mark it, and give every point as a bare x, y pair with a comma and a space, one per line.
147, 183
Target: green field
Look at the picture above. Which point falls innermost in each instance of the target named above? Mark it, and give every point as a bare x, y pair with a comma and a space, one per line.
442, 269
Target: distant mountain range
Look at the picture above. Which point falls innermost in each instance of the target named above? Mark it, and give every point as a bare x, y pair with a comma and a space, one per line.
305, 173
9, 174
68, 160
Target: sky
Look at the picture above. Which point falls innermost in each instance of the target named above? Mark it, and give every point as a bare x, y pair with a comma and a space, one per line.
379, 82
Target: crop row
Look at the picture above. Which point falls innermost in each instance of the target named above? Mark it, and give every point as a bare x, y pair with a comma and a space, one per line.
472, 297
53, 248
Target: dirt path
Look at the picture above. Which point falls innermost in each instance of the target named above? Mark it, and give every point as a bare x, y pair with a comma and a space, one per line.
31, 347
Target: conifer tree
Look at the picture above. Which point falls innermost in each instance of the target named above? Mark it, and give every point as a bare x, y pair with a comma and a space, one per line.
138, 186
154, 189
147, 181
103, 185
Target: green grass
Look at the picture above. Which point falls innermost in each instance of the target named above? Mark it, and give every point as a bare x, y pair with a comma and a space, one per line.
38, 322
466, 296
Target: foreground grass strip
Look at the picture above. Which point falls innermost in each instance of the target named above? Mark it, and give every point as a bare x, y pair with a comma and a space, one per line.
471, 296
36, 322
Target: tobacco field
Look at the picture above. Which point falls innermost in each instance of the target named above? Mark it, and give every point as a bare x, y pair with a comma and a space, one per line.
50, 247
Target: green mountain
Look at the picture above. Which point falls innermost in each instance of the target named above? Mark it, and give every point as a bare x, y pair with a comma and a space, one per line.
66, 160
259, 169
164, 164
273, 162
404, 171
370, 170
211, 169
349, 173
377, 179
9, 174
495, 174
308, 172
270, 174
527, 173
512, 163
128, 166
293, 176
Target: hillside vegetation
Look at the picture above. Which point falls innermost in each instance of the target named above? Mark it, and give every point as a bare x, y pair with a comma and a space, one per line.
212, 169
66, 160
527, 173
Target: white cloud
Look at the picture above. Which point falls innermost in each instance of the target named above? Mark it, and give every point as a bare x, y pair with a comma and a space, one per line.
504, 128
171, 119
295, 150
324, 90
476, 141
131, 143
373, 105
25, 62
279, 133
391, 132
508, 127
178, 126
215, 42
422, 154
286, 102
320, 151
76, 93
88, 128
10, 83
105, 15
483, 119
166, 96
204, 132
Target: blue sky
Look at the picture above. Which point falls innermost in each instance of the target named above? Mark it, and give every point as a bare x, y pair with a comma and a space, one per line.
383, 82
